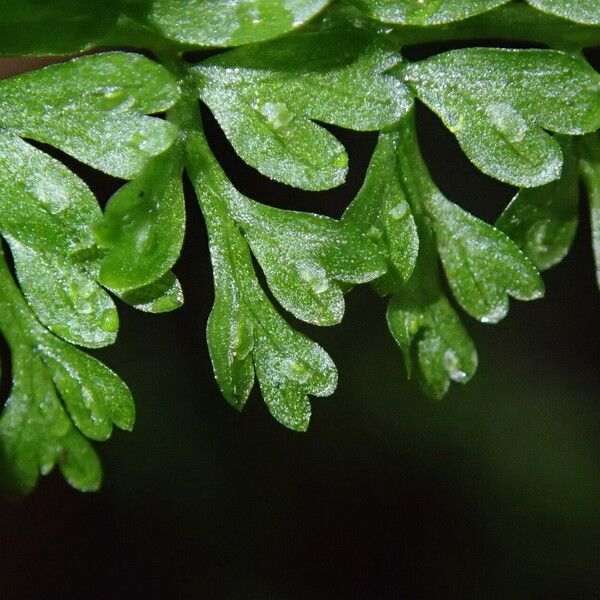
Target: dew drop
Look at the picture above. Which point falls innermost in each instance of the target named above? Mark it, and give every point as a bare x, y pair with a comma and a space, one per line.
109, 321
537, 236
314, 275
242, 340
374, 233
399, 211
297, 371
508, 121
341, 160
110, 97
50, 194
277, 114
452, 366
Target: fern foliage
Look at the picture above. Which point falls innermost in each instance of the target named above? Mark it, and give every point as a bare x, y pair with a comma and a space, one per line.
283, 69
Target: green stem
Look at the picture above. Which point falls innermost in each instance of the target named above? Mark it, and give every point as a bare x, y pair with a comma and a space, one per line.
418, 188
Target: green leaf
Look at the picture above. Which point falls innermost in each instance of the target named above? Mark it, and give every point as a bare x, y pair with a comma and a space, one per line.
581, 11
589, 164
94, 108
497, 101
428, 330
79, 463
45, 215
64, 297
482, 264
381, 210
264, 98
35, 431
305, 258
425, 12
160, 296
36, 434
56, 27
32, 426
95, 397
229, 22
44, 205
245, 332
543, 221
143, 226
289, 367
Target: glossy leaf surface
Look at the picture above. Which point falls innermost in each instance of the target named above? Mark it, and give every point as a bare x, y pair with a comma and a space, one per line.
245, 332
426, 12
381, 209
230, 22
143, 226
543, 221
266, 98
94, 108
581, 11
482, 264
497, 101
306, 257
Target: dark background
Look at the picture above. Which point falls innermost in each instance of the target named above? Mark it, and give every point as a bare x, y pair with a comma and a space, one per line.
492, 492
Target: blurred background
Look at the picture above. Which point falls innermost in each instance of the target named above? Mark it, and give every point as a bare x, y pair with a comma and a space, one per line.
492, 492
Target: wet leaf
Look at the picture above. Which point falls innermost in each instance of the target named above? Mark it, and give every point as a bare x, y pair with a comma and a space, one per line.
94, 108
542, 221
266, 98
581, 11
426, 12
245, 332
430, 333
230, 22
483, 265
143, 226
307, 257
382, 212
498, 102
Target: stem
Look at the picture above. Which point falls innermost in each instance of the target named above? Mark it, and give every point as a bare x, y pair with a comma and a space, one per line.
419, 188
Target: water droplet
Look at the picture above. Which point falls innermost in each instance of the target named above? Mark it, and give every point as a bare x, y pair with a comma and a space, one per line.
144, 238
51, 194
374, 233
341, 160
314, 275
399, 211
109, 321
277, 114
297, 371
508, 121
87, 396
494, 315
80, 291
452, 366
242, 340
414, 324
537, 236
83, 288
110, 97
